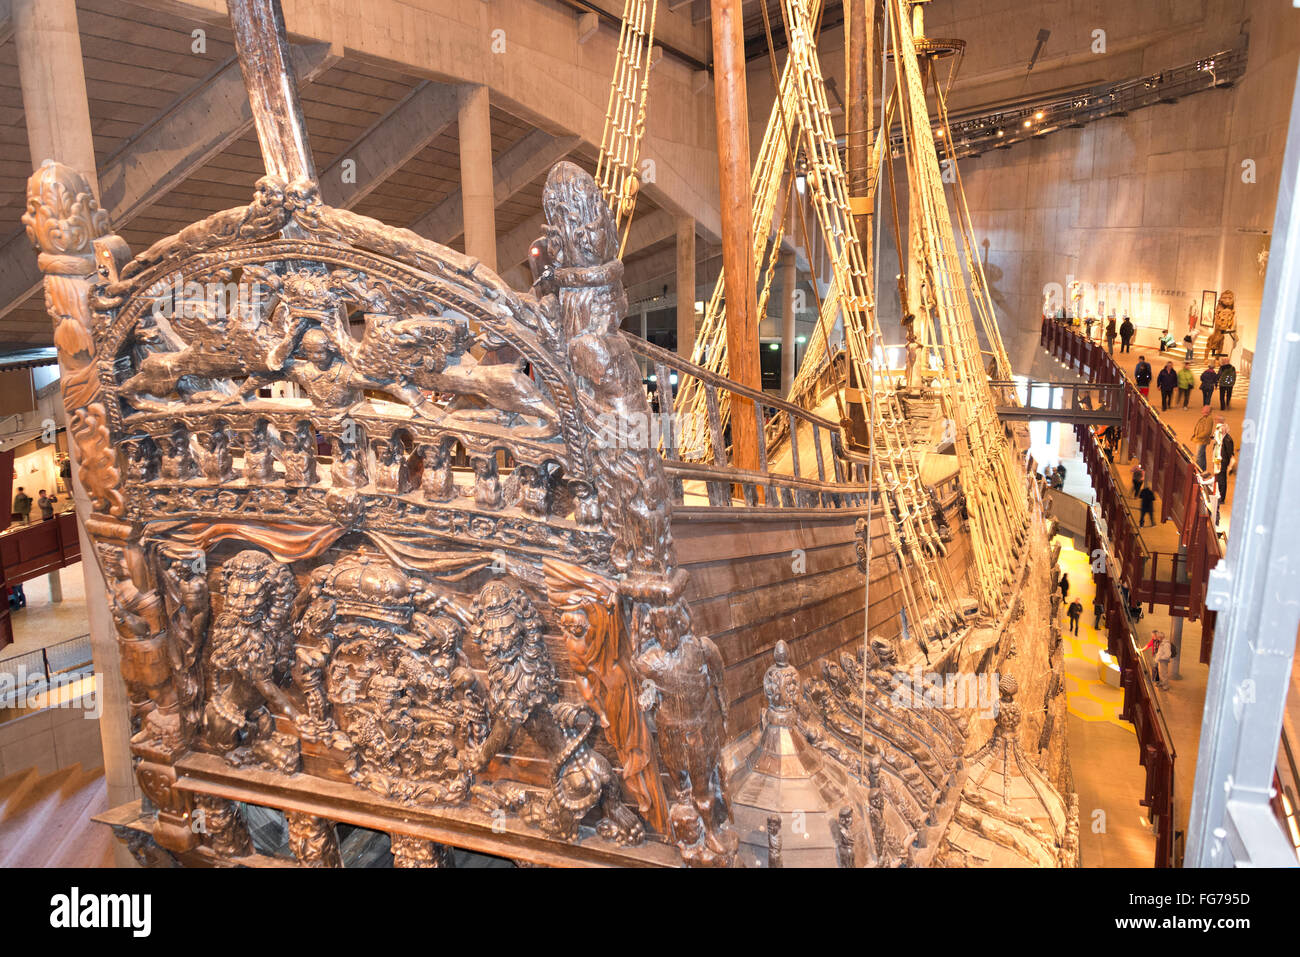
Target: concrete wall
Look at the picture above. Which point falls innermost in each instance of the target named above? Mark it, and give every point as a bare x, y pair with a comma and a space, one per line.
1156, 197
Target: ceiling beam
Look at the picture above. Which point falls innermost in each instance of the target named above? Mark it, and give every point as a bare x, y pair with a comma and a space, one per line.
160, 156
394, 140
513, 170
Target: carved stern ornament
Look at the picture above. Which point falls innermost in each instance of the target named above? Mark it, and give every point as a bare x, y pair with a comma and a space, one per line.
362, 521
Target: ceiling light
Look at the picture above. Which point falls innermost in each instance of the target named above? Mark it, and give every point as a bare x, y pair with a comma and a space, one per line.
999, 134
1028, 123
1038, 115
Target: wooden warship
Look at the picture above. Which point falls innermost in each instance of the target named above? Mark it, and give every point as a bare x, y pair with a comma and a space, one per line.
403, 563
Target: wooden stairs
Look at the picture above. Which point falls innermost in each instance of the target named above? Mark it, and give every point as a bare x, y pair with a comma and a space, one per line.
45, 821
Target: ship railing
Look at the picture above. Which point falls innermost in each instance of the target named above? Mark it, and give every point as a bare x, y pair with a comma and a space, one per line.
697, 455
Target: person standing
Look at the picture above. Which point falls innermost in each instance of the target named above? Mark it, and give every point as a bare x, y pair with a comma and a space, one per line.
1110, 335
1227, 454
23, 505
1227, 379
1186, 379
1202, 435
1164, 655
1064, 585
1148, 498
1138, 475
1209, 382
1167, 381
1098, 609
46, 505
1073, 613
1126, 331
1142, 375
1060, 475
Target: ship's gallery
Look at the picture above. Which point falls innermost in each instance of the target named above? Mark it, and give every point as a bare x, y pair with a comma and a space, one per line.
649, 433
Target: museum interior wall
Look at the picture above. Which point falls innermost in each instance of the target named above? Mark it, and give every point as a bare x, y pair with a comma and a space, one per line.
1158, 197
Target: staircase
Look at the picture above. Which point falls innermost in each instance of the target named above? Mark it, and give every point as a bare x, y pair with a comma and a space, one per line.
45, 820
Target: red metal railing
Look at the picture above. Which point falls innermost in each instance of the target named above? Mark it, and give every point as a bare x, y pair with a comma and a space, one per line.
1141, 707
1177, 580
28, 551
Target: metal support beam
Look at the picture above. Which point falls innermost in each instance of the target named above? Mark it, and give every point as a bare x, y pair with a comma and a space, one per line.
1254, 587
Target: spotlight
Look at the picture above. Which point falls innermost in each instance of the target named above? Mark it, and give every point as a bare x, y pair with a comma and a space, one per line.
1000, 134
1028, 123
1038, 115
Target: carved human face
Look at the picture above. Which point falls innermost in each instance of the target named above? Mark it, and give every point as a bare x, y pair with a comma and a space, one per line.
244, 596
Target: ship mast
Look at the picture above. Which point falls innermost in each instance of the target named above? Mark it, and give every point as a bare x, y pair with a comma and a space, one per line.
732, 110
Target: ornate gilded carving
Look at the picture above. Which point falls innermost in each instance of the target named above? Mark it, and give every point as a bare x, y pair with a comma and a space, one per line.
247, 657
63, 221
313, 840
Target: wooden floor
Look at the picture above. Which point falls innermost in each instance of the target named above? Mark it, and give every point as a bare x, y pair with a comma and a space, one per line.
45, 819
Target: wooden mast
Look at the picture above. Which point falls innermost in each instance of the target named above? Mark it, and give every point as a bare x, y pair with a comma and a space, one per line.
263, 51
862, 24
731, 107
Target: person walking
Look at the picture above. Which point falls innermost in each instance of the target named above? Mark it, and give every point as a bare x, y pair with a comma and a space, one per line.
1073, 613
1126, 331
1098, 609
1142, 375
1167, 381
1209, 382
1202, 435
23, 505
1148, 498
1186, 379
1227, 379
1064, 584
1138, 475
46, 505
1110, 335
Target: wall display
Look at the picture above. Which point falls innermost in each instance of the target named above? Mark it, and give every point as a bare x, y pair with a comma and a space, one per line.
1209, 298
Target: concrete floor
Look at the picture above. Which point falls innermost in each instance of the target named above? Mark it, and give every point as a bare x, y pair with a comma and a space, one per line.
43, 623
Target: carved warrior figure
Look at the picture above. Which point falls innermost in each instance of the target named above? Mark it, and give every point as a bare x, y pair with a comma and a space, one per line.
247, 656
685, 678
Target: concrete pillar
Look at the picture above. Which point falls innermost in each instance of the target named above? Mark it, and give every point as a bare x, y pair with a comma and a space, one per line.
57, 116
56, 587
685, 286
57, 110
474, 122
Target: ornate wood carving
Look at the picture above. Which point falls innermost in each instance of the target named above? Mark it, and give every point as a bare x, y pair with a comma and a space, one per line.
269, 407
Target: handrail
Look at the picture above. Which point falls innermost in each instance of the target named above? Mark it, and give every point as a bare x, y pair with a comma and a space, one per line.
1141, 707
1156, 445
836, 479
